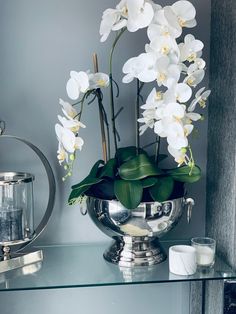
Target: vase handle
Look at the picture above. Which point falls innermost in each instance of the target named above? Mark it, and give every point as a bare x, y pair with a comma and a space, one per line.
189, 203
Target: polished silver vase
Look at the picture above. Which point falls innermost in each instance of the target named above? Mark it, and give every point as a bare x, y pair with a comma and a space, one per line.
136, 232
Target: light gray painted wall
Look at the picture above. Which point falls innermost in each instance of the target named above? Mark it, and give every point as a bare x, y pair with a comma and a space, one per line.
41, 41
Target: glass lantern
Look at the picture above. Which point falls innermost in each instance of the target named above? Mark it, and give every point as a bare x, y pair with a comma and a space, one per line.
16, 208
17, 229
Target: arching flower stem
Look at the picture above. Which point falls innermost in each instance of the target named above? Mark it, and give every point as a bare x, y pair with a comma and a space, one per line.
111, 89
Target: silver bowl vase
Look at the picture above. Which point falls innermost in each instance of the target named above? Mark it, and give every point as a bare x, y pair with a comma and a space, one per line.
136, 231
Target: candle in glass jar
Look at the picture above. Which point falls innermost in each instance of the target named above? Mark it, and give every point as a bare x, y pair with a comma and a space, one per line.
205, 255
11, 224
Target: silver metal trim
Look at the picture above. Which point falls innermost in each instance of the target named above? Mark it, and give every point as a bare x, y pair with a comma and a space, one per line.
11, 178
21, 260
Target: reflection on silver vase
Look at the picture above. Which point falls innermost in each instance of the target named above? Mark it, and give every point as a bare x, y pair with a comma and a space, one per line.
136, 231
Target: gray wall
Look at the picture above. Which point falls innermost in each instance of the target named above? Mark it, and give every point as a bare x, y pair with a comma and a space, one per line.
41, 41
221, 184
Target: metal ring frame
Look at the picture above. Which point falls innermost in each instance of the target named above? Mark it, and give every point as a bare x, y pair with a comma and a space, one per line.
52, 190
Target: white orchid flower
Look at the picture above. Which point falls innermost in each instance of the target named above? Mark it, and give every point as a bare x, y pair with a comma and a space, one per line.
167, 74
161, 27
154, 100
173, 130
98, 80
190, 49
140, 14
194, 77
141, 67
179, 92
72, 124
68, 139
200, 63
170, 124
68, 110
176, 136
79, 142
200, 98
148, 120
62, 155
165, 46
174, 111
185, 13
133, 14
179, 155
109, 19
78, 83
192, 116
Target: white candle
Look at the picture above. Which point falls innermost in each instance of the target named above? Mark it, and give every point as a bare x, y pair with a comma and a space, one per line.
205, 255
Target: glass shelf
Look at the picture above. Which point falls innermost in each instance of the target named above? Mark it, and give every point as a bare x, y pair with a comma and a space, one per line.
74, 266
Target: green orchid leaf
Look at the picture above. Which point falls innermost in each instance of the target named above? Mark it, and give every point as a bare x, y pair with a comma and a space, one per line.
126, 153
185, 174
129, 193
138, 168
146, 183
161, 191
87, 182
94, 170
109, 170
103, 190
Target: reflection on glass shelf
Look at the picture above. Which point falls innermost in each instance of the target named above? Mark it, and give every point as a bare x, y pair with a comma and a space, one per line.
83, 266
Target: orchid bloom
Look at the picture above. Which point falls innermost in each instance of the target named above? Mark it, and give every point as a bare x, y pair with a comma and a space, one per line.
194, 77
154, 100
109, 19
98, 80
133, 14
173, 130
180, 92
200, 98
179, 155
167, 73
200, 63
190, 49
185, 13
68, 110
71, 124
161, 27
68, 139
141, 67
165, 46
62, 155
78, 82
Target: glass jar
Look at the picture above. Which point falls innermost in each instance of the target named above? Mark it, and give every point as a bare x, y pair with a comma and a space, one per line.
16, 208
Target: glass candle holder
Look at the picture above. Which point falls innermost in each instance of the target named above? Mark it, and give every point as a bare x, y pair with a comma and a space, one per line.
16, 208
205, 251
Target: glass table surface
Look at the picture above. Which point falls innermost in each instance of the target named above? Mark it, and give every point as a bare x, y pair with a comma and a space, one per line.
82, 265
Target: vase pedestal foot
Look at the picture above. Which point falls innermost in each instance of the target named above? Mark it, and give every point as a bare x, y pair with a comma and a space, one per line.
135, 251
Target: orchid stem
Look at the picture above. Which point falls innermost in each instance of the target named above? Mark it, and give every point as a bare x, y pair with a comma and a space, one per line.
111, 88
137, 117
157, 149
101, 116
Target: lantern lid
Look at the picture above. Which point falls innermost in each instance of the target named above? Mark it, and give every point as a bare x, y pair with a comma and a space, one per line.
10, 178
